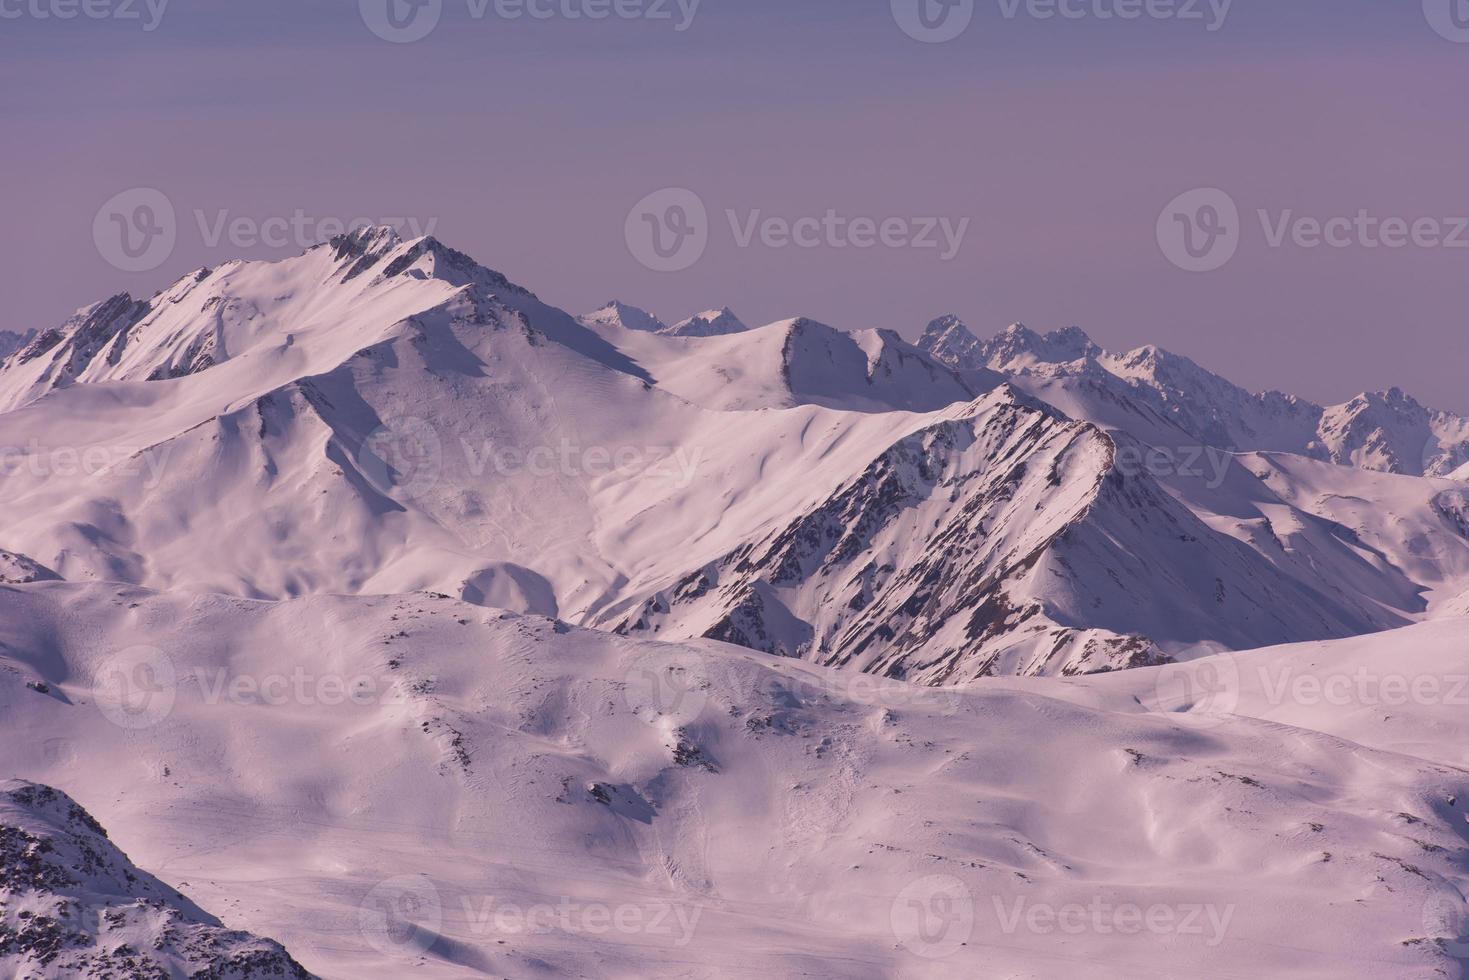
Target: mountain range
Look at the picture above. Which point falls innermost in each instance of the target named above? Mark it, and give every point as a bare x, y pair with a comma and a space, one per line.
381, 415
391, 612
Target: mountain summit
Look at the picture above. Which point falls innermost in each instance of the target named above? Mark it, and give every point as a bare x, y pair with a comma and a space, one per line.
710, 323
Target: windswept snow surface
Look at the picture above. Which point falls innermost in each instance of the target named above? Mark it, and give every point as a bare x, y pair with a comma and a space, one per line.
411, 785
391, 612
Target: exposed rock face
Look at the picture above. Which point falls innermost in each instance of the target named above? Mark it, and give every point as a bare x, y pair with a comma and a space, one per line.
1384, 431
22, 570
712, 323
73, 905
988, 544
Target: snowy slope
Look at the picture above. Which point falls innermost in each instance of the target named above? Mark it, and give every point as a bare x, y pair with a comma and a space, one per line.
73, 906
796, 362
409, 785
988, 543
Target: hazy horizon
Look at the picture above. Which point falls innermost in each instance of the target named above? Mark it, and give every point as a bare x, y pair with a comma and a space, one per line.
526, 143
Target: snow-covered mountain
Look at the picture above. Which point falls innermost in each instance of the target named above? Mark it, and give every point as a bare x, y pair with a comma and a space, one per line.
380, 415
993, 542
1149, 391
73, 906
951, 343
394, 612
619, 314
710, 323
10, 342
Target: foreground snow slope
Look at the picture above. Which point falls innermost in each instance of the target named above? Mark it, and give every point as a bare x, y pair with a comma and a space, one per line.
396, 786
73, 906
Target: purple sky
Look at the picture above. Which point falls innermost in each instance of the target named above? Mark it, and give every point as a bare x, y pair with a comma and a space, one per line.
1061, 140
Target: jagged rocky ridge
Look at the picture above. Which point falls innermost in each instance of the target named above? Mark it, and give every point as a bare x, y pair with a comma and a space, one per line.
1384, 431
989, 543
73, 906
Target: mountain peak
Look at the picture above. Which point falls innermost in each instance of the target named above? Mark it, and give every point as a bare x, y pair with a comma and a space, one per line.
952, 343
424, 257
710, 323
376, 240
10, 341
616, 313
1018, 346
